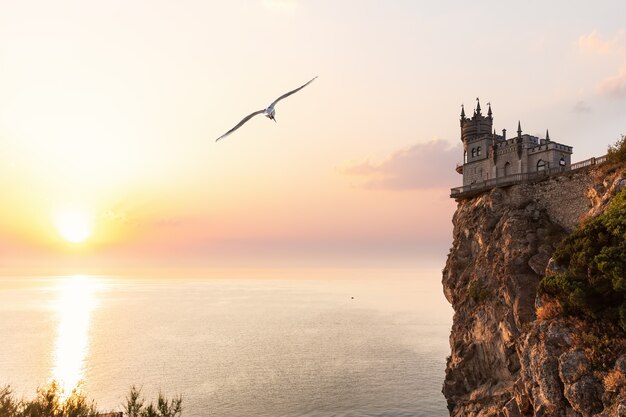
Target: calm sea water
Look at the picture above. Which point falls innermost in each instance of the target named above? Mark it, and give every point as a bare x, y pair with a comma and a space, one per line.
321, 346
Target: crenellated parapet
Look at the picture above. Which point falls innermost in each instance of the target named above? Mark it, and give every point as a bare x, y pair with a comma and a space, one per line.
476, 126
489, 156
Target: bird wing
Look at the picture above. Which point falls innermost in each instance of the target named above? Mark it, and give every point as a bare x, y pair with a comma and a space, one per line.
245, 119
291, 92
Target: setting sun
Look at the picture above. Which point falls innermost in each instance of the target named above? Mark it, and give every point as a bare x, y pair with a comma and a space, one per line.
73, 225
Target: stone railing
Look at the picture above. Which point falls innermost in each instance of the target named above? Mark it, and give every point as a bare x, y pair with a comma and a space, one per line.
478, 187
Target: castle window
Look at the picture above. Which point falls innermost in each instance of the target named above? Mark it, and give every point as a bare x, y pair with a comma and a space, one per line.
507, 169
541, 165
478, 151
473, 152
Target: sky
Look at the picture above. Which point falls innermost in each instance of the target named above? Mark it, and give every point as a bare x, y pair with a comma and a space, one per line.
109, 111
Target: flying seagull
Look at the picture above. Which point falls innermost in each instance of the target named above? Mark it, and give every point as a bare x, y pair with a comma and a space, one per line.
269, 112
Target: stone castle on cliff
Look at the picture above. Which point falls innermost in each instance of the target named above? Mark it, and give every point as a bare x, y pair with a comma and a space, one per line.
489, 156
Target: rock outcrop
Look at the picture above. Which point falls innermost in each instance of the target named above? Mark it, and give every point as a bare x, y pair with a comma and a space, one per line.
504, 360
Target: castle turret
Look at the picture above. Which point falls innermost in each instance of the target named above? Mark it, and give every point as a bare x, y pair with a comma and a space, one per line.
477, 126
488, 156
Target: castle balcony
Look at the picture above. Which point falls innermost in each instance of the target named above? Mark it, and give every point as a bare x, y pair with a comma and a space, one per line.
459, 168
482, 186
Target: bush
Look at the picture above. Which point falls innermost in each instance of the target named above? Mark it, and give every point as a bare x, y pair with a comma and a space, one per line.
594, 283
549, 310
477, 292
135, 405
614, 380
617, 153
50, 402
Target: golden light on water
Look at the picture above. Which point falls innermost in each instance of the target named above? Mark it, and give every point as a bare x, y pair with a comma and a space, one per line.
73, 306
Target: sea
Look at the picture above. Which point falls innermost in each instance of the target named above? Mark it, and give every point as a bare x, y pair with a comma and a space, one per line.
248, 343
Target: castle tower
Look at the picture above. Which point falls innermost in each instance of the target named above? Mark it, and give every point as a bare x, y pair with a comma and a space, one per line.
477, 126
477, 137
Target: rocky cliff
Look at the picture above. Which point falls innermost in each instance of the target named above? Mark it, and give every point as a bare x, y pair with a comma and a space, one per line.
505, 361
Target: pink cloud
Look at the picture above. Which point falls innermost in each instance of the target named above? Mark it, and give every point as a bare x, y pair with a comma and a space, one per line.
595, 44
615, 47
421, 166
614, 86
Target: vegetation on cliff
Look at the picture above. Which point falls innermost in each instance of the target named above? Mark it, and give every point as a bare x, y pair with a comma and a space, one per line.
593, 259
617, 153
51, 402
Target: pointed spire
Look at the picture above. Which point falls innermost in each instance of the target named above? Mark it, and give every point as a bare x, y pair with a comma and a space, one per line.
489, 113
519, 129
462, 111
477, 106
547, 135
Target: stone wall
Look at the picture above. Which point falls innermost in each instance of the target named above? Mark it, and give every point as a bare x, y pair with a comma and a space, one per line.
564, 197
510, 155
552, 156
476, 171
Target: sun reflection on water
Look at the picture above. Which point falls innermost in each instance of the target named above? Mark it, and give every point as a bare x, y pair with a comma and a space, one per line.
75, 302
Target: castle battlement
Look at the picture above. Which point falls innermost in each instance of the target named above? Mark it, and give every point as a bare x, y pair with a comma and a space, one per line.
488, 155
492, 160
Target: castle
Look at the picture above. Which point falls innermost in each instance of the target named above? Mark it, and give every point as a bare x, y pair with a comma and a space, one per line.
489, 156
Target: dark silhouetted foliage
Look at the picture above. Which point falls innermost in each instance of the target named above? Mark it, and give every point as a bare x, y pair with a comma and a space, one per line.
136, 406
50, 402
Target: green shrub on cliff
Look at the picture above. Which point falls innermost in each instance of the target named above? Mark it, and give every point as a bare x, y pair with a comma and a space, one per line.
617, 153
594, 258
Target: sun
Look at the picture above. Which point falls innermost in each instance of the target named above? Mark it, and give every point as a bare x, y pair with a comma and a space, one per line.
73, 225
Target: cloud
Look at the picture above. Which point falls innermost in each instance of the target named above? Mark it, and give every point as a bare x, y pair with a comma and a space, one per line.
615, 47
421, 166
581, 108
595, 44
614, 86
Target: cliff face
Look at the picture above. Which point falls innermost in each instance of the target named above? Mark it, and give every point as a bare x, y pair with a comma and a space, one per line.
505, 362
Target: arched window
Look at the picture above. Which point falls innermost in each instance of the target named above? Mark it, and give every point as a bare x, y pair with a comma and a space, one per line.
562, 162
478, 151
464, 157
473, 152
541, 165
507, 169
